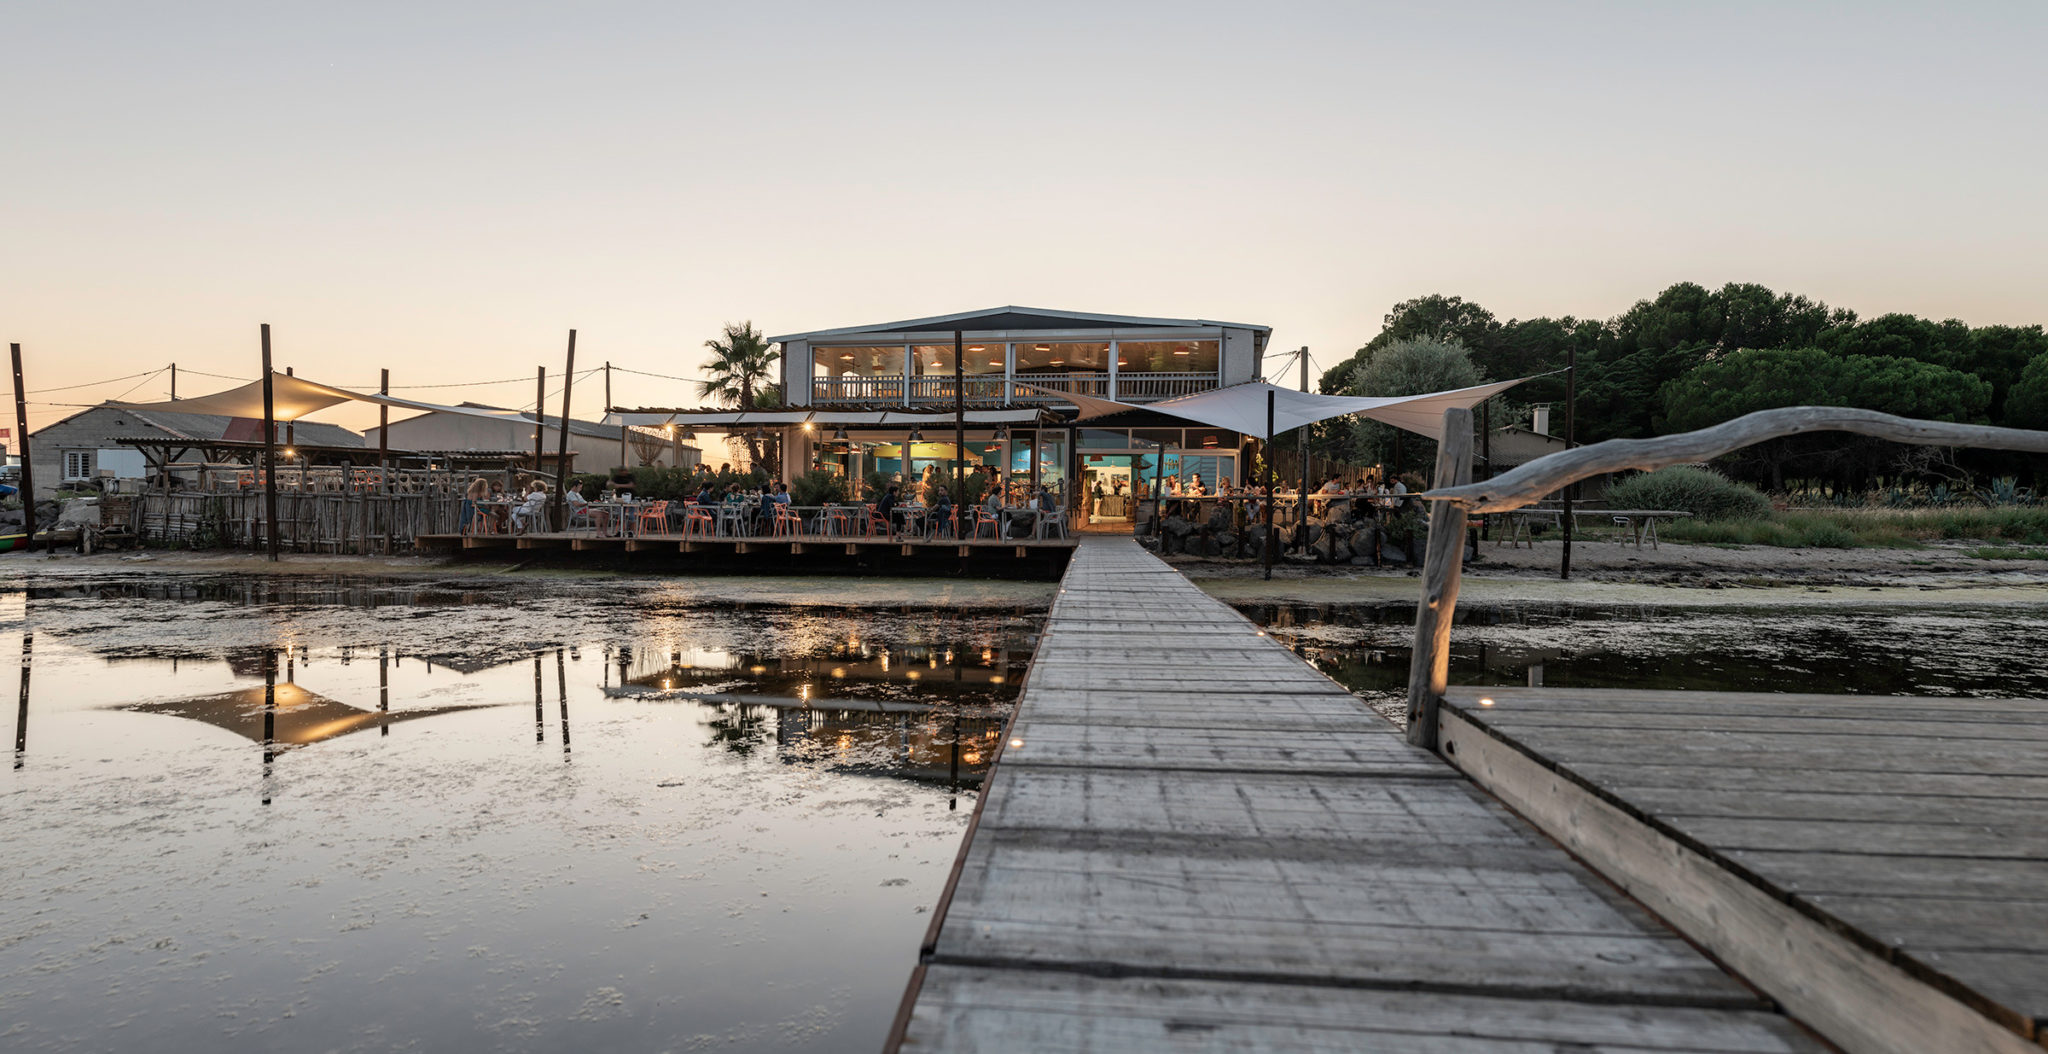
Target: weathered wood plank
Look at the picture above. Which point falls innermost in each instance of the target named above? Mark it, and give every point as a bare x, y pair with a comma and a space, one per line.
970, 1008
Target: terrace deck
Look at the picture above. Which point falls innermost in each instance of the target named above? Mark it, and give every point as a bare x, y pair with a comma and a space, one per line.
1192, 840
815, 548
1879, 864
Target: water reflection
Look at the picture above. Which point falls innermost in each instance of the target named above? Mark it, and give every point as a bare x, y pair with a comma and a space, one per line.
744, 854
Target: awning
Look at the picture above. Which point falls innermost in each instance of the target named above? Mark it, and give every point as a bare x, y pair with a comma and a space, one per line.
740, 419
295, 397
1242, 407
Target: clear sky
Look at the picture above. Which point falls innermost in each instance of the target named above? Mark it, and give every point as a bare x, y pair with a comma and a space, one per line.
445, 189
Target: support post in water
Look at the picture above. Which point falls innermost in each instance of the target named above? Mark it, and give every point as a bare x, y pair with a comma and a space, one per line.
269, 454
28, 644
28, 476
1429, 666
1267, 451
560, 514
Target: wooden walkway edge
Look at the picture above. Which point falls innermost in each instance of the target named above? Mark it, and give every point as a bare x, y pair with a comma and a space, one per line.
1193, 841
1877, 864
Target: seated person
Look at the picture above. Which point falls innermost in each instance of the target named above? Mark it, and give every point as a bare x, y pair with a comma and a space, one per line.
941, 515
532, 512
886, 509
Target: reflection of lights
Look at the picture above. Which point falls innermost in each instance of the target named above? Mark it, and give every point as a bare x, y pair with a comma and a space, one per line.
838, 671
934, 662
997, 679
757, 669
972, 757
913, 675
1485, 702
667, 684
1016, 743
988, 654
803, 692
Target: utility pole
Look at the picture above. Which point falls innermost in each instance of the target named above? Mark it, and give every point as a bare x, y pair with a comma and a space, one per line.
562, 447
1571, 405
174, 382
28, 476
269, 454
1267, 450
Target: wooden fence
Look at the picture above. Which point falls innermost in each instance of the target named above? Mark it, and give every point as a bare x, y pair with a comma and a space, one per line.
307, 521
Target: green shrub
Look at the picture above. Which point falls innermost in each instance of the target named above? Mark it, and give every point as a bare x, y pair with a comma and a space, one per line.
818, 487
1706, 494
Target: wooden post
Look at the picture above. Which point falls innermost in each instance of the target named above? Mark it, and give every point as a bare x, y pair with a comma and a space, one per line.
1429, 667
269, 453
560, 515
174, 382
384, 458
28, 476
540, 402
1486, 449
1267, 450
1571, 400
959, 424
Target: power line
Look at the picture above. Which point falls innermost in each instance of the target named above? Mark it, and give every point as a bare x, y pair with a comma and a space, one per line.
92, 384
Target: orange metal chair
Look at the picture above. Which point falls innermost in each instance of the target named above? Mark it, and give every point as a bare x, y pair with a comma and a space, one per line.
653, 520
698, 520
878, 524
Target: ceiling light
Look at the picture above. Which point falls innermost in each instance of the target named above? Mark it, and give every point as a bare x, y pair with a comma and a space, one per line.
976, 347
839, 433
1059, 362
1042, 347
847, 355
1182, 351
995, 362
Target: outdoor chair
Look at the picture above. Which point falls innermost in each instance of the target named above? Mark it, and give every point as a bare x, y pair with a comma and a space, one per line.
698, 520
1047, 521
878, 524
581, 517
985, 517
787, 522
948, 525
653, 520
839, 519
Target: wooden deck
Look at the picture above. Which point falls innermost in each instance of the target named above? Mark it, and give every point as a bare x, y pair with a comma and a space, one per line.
809, 553
1193, 841
1878, 864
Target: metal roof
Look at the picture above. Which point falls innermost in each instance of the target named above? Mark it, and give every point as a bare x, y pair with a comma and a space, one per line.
1020, 319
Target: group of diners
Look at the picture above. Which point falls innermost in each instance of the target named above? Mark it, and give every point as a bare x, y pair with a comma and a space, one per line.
760, 510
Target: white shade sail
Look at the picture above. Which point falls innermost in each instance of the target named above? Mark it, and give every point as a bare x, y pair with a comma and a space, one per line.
1242, 407
295, 397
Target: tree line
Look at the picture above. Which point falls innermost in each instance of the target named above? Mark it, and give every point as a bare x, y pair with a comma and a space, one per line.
1693, 357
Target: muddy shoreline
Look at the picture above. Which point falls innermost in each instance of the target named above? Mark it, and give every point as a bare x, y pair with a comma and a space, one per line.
1603, 573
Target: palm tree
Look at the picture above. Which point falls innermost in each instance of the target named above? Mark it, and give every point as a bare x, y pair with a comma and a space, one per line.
741, 361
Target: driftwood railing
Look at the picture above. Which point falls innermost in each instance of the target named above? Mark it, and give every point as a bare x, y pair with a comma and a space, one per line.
1453, 496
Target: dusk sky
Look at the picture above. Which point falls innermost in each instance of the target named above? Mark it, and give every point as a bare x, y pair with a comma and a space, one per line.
446, 189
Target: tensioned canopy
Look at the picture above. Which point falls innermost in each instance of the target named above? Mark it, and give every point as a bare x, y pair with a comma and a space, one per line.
295, 397
1242, 407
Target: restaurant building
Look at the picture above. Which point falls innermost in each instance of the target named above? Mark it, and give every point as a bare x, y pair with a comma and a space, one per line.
877, 402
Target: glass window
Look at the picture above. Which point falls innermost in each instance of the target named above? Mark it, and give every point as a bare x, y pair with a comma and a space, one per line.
862, 361
1041, 357
1210, 440
936, 360
1168, 356
1104, 439
1169, 436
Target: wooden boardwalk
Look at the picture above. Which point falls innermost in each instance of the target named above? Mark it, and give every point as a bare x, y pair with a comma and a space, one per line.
1879, 864
1193, 841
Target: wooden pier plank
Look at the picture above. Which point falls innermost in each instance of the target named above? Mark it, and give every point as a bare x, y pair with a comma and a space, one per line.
1909, 826
1193, 840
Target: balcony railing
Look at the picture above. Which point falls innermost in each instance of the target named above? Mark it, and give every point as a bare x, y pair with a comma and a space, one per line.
987, 388
979, 388
1149, 387
852, 389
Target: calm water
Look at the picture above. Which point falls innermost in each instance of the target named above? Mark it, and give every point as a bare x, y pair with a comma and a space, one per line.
1960, 651
478, 817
